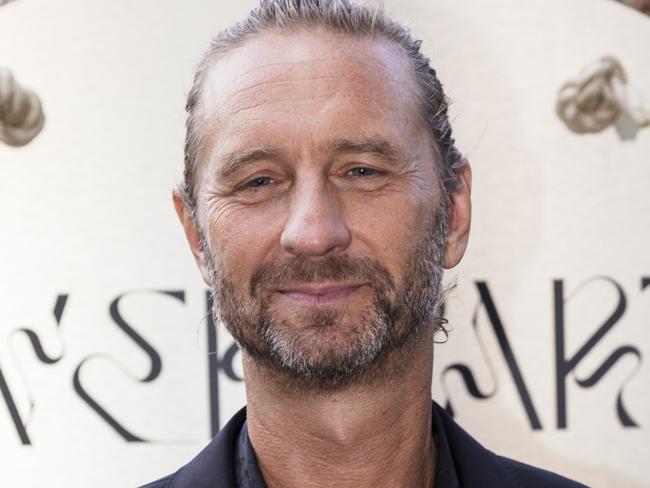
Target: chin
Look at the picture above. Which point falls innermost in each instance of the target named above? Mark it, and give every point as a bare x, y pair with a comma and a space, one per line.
327, 351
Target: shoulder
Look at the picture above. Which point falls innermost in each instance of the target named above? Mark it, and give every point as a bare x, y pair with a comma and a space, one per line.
477, 466
532, 477
161, 483
213, 467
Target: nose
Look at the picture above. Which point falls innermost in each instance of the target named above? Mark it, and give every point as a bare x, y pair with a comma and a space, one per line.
315, 226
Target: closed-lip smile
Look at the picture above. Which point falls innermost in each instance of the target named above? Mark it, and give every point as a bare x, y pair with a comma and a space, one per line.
319, 293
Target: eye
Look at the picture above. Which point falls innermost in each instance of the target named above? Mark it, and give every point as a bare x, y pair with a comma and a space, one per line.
259, 181
362, 171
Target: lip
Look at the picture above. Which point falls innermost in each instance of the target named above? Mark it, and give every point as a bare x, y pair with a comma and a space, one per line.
320, 293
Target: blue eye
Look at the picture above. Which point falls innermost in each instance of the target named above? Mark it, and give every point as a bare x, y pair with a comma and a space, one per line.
261, 181
362, 172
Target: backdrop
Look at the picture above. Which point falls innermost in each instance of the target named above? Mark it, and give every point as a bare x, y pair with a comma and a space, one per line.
110, 372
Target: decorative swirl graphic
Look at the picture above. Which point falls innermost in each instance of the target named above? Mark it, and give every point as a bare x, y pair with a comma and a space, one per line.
598, 97
469, 381
466, 374
42, 356
21, 114
613, 358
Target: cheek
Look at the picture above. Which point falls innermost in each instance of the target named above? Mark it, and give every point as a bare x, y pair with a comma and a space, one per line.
242, 238
387, 227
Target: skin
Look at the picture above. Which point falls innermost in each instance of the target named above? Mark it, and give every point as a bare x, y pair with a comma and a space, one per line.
296, 95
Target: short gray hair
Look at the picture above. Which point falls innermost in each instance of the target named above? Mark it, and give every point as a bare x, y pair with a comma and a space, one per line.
339, 16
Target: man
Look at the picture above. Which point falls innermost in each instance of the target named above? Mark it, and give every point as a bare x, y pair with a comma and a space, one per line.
323, 195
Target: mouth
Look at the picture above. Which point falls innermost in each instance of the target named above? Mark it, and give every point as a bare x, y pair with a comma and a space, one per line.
319, 293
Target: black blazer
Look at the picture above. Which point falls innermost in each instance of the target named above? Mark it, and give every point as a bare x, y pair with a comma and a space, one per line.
476, 466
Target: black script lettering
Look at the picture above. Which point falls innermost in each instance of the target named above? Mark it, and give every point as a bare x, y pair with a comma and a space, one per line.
645, 282
565, 366
226, 364
154, 359
21, 427
508, 354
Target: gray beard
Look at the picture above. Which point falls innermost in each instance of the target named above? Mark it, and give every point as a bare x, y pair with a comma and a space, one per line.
304, 356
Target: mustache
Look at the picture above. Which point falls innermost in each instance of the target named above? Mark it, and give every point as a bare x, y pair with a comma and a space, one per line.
303, 269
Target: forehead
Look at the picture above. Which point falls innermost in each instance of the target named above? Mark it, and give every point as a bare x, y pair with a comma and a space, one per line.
315, 84
285, 56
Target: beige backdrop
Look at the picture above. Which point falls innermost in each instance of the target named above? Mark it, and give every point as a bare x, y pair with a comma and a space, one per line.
98, 390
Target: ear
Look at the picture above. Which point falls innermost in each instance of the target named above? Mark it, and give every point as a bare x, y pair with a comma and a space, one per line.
460, 217
192, 234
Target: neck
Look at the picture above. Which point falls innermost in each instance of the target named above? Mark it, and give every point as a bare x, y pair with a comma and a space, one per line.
376, 433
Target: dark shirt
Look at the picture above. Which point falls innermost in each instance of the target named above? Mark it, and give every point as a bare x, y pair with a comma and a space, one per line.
462, 462
248, 475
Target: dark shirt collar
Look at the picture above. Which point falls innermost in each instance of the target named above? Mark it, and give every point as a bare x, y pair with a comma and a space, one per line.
446, 476
248, 475
247, 472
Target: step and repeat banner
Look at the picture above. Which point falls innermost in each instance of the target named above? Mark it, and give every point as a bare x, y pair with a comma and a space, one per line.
111, 372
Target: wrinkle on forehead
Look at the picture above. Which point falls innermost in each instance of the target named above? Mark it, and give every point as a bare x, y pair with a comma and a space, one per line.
282, 74
373, 65
293, 66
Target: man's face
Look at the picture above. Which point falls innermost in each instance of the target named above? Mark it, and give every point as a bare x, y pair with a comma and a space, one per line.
318, 202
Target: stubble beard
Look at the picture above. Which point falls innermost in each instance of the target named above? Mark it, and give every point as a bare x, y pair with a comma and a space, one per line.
325, 350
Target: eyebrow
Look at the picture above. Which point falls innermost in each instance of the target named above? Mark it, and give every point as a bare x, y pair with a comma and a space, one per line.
236, 160
377, 147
